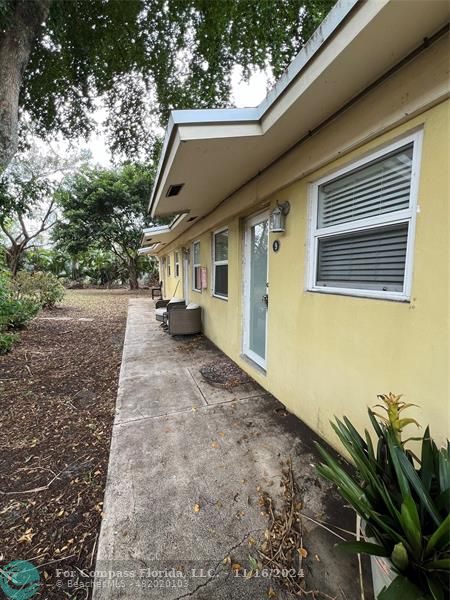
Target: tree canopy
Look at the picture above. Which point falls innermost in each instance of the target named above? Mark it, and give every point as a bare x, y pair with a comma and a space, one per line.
139, 58
27, 199
105, 209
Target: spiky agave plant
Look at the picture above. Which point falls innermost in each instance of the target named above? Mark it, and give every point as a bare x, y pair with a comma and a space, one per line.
403, 499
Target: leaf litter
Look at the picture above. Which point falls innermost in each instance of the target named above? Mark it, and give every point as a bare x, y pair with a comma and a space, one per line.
58, 389
283, 550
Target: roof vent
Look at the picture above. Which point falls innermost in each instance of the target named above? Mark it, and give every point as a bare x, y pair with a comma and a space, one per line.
191, 219
174, 189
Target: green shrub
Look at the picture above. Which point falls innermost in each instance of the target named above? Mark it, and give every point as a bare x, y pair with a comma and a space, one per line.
43, 288
14, 314
403, 498
7, 340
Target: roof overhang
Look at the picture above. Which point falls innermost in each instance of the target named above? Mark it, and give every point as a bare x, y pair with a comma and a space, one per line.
158, 236
213, 153
148, 250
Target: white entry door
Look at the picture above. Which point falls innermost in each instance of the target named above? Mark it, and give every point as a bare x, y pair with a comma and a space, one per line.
256, 288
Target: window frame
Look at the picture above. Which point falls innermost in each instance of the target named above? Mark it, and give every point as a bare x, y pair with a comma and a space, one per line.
168, 266
366, 224
195, 265
218, 262
176, 262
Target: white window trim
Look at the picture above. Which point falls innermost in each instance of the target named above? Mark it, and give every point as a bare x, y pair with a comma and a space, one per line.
194, 265
404, 216
218, 263
176, 262
169, 274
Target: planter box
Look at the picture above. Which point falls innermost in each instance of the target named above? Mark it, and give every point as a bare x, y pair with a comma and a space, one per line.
383, 573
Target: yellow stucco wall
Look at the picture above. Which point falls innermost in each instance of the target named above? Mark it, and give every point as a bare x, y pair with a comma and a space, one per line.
330, 354
173, 285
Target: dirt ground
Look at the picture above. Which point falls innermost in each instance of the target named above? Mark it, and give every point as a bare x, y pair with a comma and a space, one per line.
57, 397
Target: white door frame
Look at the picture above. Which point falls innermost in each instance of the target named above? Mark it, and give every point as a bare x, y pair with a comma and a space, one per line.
253, 220
186, 276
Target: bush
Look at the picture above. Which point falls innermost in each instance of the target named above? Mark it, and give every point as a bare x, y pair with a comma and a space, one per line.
43, 288
14, 314
7, 340
403, 499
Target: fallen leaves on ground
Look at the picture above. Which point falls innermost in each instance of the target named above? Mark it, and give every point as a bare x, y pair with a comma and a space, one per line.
225, 373
58, 389
282, 548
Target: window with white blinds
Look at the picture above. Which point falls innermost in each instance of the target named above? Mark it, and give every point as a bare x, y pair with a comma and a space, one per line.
363, 225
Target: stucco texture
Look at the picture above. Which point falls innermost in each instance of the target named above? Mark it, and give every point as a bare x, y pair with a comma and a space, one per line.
332, 354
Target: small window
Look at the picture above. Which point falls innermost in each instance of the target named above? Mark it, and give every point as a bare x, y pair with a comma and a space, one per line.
196, 268
177, 264
168, 265
220, 262
363, 225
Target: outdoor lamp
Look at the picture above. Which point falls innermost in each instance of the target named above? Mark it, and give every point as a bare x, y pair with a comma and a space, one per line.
278, 217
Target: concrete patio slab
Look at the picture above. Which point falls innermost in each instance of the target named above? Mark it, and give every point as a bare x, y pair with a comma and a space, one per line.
187, 467
156, 392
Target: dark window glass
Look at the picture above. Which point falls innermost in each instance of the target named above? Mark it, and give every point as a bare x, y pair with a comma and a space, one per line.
221, 280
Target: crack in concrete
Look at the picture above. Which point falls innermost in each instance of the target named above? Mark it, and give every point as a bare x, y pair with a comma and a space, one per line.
218, 564
198, 387
186, 410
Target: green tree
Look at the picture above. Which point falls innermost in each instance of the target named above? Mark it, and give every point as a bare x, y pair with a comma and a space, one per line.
28, 207
140, 57
105, 209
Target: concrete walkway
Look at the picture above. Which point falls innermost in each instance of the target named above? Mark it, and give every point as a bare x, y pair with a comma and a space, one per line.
188, 463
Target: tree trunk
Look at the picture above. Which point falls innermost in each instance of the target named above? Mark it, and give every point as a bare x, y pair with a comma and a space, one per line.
24, 23
13, 256
133, 274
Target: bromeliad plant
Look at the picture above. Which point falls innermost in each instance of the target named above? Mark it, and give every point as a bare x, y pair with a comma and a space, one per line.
404, 501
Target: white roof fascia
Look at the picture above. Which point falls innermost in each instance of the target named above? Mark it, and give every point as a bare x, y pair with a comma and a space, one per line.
249, 116
160, 230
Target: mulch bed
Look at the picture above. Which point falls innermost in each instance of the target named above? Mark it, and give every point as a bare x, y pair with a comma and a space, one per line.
57, 398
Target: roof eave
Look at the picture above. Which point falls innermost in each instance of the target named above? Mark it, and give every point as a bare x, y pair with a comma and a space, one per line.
232, 116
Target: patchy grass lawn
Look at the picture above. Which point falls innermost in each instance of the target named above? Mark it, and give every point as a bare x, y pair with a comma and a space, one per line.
57, 397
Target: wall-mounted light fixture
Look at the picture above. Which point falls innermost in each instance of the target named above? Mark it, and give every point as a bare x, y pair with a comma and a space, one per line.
278, 217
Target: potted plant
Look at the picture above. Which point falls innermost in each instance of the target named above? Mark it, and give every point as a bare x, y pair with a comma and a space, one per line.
403, 500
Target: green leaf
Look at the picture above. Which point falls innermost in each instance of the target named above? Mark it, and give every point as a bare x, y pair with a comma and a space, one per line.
341, 477
399, 557
441, 564
370, 449
436, 590
395, 451
375, 423
440, 538
444, 470
442, 502
417, 484
362, 548
401, 589
426, 469
355, 434
411, 525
